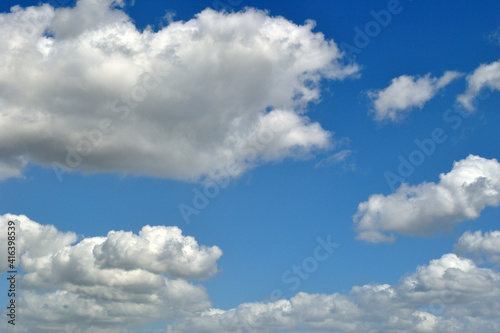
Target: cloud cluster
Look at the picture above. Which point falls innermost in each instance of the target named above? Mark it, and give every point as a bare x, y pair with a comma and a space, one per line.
405, 92
119, 280
99, 285
84, 88
485, 76
436, 298
461, 194
479, 245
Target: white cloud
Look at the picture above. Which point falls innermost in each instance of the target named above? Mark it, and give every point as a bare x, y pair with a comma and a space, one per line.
83, 87
116, 281
436, 298
461, 194
485, 76
405, 92
479, 245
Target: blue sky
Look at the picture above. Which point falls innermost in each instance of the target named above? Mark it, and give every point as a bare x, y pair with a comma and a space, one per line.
434, 66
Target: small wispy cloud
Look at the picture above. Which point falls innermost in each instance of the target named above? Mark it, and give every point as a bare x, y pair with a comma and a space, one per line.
494, 36
405, 92
336, 159
485, 76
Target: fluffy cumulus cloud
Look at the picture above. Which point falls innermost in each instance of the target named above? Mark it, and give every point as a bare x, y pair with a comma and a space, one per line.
436, 298
405, 92
109, 283
479, 245
83, 89
461, 194
485, 76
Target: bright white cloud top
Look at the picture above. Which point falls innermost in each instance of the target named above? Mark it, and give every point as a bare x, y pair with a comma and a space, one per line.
406, 92
461, 194
485, 76
85, 89
67, 287
158, 250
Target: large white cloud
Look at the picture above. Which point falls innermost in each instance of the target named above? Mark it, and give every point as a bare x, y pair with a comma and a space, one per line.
485, 76
405, 92
436, 298
461, 194
479, 245
116, 281
84, 88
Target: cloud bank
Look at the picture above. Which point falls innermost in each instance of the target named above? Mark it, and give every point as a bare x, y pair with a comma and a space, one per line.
70, 287
436, 298
83, 89
461, 194
405, 92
